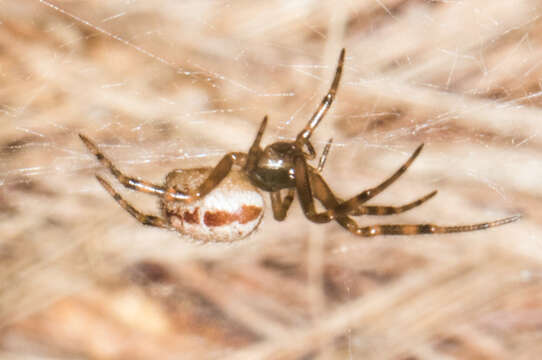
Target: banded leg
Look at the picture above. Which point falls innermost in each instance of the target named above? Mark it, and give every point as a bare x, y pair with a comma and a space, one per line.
128, 181
353, 203
304, 190
324, 194
323, 157
280, 206
142, 218
219, 172
407, 229
390, 210
306, 133
303, 186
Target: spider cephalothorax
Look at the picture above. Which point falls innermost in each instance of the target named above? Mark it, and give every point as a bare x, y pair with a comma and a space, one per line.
274, 168
223, 204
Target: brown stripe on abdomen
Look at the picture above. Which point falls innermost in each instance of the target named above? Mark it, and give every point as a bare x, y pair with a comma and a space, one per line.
246, 214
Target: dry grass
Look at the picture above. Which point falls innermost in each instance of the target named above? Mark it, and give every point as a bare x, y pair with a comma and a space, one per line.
166, 84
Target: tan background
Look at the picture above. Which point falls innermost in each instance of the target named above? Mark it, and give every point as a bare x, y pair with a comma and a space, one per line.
167, 84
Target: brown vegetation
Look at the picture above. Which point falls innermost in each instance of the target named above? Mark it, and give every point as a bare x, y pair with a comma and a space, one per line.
168, 84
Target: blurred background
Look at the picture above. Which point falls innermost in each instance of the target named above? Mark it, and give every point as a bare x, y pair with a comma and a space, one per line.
169, 84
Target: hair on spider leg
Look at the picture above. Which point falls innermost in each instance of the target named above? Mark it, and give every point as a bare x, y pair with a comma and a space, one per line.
225, 204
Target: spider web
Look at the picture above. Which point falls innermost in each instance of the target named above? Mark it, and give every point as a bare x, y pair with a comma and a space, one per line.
167, 84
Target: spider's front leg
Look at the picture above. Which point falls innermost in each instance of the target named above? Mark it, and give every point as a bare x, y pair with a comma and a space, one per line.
408, 229
305, 134
352, 204
323, 193
304, 190
219, 172
390, 210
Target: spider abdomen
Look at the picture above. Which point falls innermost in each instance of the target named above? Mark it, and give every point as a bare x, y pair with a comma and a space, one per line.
230, 212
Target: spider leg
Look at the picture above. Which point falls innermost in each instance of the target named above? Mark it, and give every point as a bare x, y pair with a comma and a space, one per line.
142, 218
408, 229
219, 172
305, 134
323, 157
304, 189
324, 194
390, 210
305, 186
280, 206
310, 153
354, 203
255, 149
127, 181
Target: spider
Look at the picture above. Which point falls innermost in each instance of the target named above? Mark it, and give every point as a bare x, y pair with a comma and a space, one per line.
199, 202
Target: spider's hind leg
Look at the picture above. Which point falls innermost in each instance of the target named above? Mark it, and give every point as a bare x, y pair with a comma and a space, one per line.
142, 218
126, 181
217, 174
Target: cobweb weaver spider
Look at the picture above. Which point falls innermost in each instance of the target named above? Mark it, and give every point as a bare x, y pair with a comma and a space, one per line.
281, 166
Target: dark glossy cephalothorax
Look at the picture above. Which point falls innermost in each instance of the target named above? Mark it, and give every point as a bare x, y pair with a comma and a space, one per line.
282, 167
